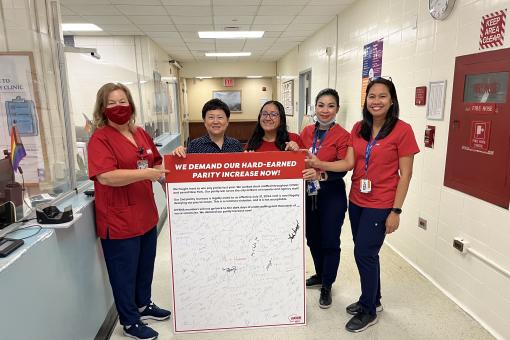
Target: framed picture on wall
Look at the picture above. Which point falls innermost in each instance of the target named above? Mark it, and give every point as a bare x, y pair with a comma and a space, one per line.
288, 97
231, 97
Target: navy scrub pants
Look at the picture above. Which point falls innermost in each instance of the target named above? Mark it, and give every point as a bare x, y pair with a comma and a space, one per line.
368, 231
324, 219
130, 264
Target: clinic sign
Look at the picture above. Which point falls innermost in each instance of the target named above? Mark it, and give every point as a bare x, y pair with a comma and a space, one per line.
492, 32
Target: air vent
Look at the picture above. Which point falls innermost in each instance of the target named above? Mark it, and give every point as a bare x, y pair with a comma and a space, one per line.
231, 28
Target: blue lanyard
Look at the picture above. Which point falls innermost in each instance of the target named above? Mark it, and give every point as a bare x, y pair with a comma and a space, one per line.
368, 151
315, 147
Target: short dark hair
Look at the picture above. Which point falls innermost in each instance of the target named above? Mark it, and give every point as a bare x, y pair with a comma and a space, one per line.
215, 104
391, 115
328, 92
282, 135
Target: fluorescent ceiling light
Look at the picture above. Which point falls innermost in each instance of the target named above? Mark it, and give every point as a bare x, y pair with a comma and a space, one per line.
205, 77
80, 27
253, 77
231, 34
228, 54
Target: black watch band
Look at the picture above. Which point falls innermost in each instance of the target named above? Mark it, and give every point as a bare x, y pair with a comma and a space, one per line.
397, 211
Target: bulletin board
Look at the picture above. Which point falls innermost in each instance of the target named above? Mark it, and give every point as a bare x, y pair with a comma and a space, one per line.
288, 97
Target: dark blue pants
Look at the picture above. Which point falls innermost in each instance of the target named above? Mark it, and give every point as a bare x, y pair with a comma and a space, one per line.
324, 219
130, 264
368, 231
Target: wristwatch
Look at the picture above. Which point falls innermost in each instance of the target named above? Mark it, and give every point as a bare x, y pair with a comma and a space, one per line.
397, 211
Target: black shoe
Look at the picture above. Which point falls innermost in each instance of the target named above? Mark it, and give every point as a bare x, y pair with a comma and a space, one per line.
360, 322
355, 307
325, 299
313, 281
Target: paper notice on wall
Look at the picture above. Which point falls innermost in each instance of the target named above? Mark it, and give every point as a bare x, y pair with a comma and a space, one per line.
237, 240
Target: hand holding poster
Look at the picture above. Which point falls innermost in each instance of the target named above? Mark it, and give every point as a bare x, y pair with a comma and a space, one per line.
237, 240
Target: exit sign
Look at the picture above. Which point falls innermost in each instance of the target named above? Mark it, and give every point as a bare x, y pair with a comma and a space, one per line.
228, 82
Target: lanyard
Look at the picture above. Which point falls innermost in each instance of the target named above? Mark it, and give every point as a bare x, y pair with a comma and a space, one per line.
315, 147
368, 151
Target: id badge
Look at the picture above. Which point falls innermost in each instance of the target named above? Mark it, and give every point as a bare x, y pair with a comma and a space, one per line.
142, 164
312, 187
365, 186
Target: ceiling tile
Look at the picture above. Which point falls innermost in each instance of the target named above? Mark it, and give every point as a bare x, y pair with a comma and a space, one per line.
193, 28
279, 2
304, 27
89, 2
164, 35
66, 11
201, 46
273, 20
189, 11
280, 10
236, 2
322, 10
272, 34
94, 10
157, 28
186, 2
74, 19
230, 45
192, 20
120, 28
268, 27
233, 20
135, 2
189, 35
107, 19
224, 27
142, 10
150, 19
313, 19
297, 34
235, 10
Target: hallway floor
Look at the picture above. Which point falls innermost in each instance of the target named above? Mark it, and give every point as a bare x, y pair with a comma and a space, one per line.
413, 307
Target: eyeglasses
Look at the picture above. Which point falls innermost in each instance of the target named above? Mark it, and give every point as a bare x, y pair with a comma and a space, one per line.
271, 115
382, 77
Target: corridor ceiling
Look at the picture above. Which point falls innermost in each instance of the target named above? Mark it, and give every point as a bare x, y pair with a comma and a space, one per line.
173, 24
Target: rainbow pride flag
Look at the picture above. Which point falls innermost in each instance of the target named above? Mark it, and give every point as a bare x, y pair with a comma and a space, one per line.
17, 148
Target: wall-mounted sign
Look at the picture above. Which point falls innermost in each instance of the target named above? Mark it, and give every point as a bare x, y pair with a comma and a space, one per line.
430, 134
492, 32
288, 97
481, 108
372, 65
435, 108
420, 96
228, 82
480, 135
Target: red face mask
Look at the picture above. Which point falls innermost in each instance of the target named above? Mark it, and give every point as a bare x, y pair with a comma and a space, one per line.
119, 114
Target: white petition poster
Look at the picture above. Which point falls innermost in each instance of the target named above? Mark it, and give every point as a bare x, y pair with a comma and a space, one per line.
237, 240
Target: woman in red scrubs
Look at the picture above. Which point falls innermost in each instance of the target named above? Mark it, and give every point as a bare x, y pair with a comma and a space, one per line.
271, 131
381, 150
326, 200
123, 163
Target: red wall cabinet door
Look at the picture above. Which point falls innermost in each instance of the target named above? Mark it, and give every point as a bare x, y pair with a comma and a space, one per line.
478, 155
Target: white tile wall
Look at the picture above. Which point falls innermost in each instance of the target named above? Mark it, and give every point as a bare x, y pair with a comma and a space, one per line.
417, 50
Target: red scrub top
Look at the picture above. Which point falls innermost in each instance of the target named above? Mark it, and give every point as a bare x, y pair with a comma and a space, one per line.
383, 165
271, 146
334, 146
129, 210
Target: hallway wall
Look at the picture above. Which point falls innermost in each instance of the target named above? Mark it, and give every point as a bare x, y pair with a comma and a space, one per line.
418, 49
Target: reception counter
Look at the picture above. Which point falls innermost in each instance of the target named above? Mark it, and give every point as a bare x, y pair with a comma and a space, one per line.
56, 286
